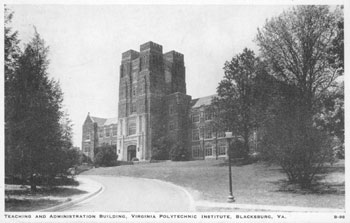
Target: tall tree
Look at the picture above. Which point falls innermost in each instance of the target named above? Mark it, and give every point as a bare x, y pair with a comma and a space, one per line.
11, 54
235, 93
34, 123
296, 45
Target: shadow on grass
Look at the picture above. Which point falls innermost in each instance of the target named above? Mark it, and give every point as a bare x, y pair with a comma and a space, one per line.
331, 169
320, 188
29, 204
56, 191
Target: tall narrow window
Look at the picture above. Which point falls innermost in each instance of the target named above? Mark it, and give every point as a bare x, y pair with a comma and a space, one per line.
208, 150
207, 134
108, 132
208, 115
171, 109
115, 130
100, 132
195, 151
195, 134
132, 128
133, 108
222, 150
140, 124
172, 125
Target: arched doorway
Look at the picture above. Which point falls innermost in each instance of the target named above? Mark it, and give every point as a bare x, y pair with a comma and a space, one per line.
131, 152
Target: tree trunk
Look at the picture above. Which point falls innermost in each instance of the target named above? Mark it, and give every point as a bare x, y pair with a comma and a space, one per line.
246, 142
216, 144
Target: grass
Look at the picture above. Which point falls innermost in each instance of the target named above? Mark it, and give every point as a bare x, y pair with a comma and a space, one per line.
252, 184
19, 198
23, 205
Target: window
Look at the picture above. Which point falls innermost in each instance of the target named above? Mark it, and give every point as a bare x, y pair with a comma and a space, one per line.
222, 150
195, 151
195, 134
140, 124
133, 107
121, 71
208, 115
208, 150
207, 134
221, 134
132, 128
108, 132
115, 130
172, 125
87, 136
133, 92
135, 65
100, 132
121, 126
171, 109
141, 88
195, 117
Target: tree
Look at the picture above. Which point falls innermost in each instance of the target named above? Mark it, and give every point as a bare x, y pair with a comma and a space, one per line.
330, 118
11, 55
66, 130
235, 93
301, 150
11, 49
33, 130
297, 46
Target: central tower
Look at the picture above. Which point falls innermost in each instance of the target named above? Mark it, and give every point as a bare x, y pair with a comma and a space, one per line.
152, 100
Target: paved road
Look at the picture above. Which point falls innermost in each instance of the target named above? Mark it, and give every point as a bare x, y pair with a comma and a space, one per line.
135, 194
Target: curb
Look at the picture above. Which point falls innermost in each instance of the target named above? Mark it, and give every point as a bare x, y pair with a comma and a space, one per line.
254, 207
73, 202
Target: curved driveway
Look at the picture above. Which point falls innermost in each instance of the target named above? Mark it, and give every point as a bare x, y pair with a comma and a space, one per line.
135, 194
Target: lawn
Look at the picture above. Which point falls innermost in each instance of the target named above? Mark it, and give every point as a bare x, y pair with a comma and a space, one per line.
20, 198
252, 184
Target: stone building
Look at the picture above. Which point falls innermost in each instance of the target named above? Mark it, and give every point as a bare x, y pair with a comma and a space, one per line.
207, 140
153, 103
98, 132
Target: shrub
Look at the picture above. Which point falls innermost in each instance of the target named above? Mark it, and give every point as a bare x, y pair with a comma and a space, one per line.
237, 149
300, 150
106, 156
84, 159
178, 152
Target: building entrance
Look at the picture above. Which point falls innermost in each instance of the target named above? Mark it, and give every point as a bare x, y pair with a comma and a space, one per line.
131, 152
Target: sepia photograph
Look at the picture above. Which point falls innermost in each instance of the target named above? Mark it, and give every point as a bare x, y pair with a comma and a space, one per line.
173, 112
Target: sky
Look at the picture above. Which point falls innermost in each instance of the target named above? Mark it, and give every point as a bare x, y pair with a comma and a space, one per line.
86, 43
